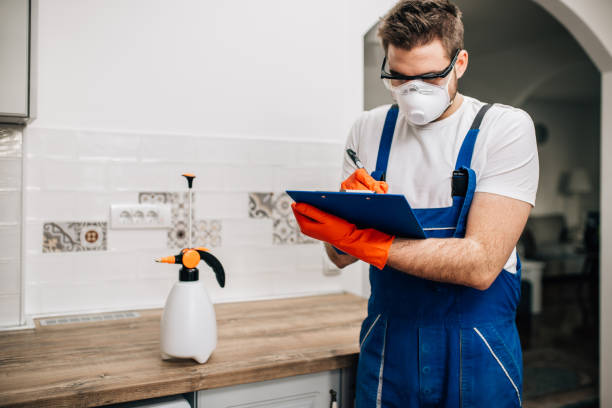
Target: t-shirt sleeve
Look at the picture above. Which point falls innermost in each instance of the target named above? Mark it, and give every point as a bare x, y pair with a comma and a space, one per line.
352, 142
511, 167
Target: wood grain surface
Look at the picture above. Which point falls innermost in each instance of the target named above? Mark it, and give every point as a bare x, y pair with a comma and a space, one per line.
92, 364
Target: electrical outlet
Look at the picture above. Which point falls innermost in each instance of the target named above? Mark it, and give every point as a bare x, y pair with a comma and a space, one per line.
138, 216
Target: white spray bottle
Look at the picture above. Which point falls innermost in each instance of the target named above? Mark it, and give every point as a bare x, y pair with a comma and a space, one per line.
188, 323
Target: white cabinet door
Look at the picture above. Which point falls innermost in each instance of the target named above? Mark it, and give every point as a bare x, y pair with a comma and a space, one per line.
14, 52
302, 391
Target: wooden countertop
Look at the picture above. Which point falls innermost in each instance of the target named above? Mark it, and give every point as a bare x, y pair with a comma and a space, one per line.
90, 364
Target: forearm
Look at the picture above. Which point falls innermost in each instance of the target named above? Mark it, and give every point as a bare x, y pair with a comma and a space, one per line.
340, 260
462, 261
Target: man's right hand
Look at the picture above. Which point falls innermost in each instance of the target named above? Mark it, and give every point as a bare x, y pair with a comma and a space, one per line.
361, 180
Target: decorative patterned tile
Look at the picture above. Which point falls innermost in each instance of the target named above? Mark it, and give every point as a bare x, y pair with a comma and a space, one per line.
205, 233
74, 236
261, 205
277, 206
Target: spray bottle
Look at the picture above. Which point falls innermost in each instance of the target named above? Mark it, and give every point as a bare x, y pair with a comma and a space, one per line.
188, 323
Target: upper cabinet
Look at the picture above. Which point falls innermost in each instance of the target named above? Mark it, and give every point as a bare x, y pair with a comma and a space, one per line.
17, 52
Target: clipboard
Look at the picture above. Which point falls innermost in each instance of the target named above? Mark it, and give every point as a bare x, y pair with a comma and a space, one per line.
389, 213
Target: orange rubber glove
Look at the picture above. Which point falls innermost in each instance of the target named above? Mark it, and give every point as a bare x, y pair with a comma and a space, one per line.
369, 245
361, 180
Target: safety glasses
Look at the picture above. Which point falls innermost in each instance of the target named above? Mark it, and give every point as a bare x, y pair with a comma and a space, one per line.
388, 77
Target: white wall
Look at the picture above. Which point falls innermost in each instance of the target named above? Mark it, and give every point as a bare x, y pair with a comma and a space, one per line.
248, 95
573, 142
243, 67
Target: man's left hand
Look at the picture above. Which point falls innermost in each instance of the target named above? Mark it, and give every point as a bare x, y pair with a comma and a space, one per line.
369, 245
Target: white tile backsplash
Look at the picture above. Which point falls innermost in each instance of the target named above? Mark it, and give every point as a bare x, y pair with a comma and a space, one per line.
247, 232
10, 206
168, 148
75, 175
129, 240
52, 143
71, 175
10, 279
221, 205
222, 150
9, 240
10, 173
96, 145
9, 309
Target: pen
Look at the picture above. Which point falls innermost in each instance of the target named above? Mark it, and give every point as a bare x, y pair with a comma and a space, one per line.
354, 158
357, 162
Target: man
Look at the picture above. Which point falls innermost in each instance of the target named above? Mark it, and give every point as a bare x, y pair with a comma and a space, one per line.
440, 329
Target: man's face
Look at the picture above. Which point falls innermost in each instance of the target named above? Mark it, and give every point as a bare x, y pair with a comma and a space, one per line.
429, 58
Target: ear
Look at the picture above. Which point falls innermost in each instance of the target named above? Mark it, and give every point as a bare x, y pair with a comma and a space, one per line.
461, 64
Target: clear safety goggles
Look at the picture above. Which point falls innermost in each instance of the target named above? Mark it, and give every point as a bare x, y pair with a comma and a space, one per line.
393, 79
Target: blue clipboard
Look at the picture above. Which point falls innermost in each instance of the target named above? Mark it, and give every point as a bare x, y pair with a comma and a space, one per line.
389, 213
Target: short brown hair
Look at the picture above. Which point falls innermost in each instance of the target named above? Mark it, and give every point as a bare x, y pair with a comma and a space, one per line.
412, 23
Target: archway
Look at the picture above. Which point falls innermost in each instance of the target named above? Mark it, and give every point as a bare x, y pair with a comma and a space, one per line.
588, 24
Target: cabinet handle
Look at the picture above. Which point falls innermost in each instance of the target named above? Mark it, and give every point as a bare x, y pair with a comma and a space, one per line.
333, 403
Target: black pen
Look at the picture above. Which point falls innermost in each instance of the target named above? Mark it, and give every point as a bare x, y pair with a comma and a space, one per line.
357, 162
354, 158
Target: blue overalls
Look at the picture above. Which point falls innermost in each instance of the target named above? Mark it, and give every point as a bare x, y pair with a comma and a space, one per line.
431, 344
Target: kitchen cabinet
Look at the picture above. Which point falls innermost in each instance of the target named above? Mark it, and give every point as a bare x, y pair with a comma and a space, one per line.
17, 53
302, 391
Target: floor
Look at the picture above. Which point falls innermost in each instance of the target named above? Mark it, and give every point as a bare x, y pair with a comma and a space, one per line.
560, 355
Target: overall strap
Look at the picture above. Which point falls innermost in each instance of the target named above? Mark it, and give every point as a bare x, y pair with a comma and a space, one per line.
467, 148
385, 143
464, 178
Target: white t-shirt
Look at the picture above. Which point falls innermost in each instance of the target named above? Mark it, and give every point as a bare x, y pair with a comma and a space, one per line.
422, 158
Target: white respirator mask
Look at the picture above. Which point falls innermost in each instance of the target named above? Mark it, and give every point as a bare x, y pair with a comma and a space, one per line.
421, 101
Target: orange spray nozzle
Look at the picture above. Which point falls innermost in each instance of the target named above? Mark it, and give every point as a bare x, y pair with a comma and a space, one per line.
191, 257
167, 259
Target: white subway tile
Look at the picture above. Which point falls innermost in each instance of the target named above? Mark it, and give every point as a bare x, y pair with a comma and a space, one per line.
242, 287
75, 176
10, 206
10, 173
53, 268
148, 176
244, 232
310, 256
69, 297
253, 178
33, 141
9, 310
124, 239
59, 143
82, 297
72, 205
209, 177
9, 241
99, 145
272, 153
222, 150
210, 205
33, 238
10, 276
308, 178
33, 173
319, 154
147, 268
32, 299
168, 148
